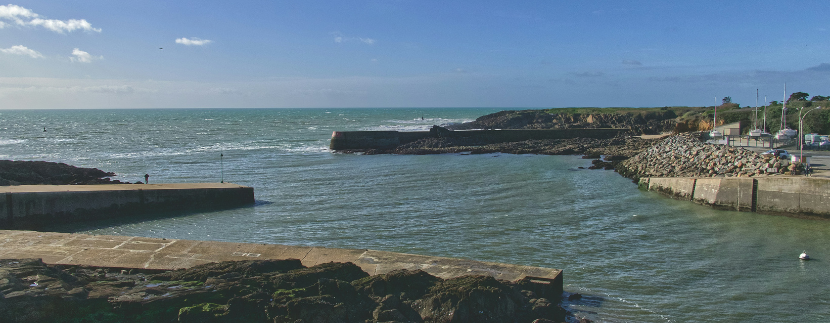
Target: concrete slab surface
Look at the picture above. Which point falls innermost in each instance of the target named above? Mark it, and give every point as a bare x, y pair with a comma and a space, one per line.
111, 187
154, 253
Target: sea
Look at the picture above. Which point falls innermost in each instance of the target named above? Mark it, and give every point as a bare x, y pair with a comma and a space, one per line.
633, 256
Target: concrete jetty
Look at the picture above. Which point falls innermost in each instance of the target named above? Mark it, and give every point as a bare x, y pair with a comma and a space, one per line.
168, 254
357, 140
797, 196
30, 206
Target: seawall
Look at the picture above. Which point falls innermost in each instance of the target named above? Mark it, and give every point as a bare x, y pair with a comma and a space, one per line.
356, 140
169, 254
796, 196
31, 206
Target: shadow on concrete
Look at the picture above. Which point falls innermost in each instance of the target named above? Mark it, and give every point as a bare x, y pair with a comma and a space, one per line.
96, 224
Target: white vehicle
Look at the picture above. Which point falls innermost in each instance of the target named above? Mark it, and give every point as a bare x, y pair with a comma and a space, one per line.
779, 153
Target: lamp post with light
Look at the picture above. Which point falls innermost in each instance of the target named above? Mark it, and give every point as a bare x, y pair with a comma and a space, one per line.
801, 131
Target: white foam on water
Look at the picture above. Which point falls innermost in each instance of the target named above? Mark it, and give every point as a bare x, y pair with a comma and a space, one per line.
4, 142
415, 124
621, 306
60, 140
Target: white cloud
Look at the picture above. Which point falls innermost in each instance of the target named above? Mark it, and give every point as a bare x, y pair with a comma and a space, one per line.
83, 57
24, 17
61, 26
21, 50
193, 42
339, 38
13, 12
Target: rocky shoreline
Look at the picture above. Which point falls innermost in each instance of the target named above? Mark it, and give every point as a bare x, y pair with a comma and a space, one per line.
49, 173
686, 155
260, 291
616, 148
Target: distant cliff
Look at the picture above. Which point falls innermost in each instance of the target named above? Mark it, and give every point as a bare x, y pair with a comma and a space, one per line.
641, 121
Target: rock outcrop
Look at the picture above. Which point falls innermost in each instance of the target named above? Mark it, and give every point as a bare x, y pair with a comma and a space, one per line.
48, 173
274, 291
640, 122
685, 155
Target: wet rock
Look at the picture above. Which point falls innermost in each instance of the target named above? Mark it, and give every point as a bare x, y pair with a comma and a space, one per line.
258, 291
236, 268
469, 299
48, 173
406, 284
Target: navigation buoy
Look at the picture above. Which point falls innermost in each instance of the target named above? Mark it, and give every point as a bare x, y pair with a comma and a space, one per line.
804, 256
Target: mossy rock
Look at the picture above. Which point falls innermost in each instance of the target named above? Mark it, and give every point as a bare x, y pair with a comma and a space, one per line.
203, 313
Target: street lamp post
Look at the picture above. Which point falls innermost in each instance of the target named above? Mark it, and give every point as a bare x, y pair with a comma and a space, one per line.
801, 131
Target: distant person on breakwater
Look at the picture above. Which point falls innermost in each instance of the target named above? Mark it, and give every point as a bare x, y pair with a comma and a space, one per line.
146, 178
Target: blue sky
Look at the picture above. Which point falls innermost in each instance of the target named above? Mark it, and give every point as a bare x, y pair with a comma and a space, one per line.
401, 53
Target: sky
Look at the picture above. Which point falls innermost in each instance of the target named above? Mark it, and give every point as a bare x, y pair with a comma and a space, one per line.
402, 53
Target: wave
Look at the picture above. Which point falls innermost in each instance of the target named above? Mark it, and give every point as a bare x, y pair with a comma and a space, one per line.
4, 142
305, 147
417, 124
60, 140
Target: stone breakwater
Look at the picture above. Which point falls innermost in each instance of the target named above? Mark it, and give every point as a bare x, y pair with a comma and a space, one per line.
620, 147
685, 155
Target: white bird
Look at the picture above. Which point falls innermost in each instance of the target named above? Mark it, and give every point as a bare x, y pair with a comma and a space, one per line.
804, 256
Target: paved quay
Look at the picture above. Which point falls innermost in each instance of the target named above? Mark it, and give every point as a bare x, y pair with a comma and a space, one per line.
168, 254
111, 187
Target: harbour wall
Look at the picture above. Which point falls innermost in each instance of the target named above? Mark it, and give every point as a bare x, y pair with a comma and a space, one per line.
356, 140
168, 254
32, 206
782, 195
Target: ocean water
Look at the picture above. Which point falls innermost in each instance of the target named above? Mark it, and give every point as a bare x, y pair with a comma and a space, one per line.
635, 256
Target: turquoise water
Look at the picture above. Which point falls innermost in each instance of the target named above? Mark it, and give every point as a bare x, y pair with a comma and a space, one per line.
635, 256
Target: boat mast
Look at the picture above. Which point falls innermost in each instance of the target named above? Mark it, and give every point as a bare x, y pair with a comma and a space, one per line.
715, 119
756, 110
765, 114
784, 110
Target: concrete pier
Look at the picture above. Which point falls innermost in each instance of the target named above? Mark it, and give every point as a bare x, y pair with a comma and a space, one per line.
30, 206
168, 254
797, 196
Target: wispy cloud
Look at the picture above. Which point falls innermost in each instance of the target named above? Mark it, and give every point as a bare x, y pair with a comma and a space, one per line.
588, 74
17, 15
21, 50
193, 41
83, 57
339, 38
632, 62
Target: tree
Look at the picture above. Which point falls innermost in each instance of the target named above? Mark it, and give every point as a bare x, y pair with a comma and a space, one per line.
773, 102
798, 96
820, 98
727, 99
